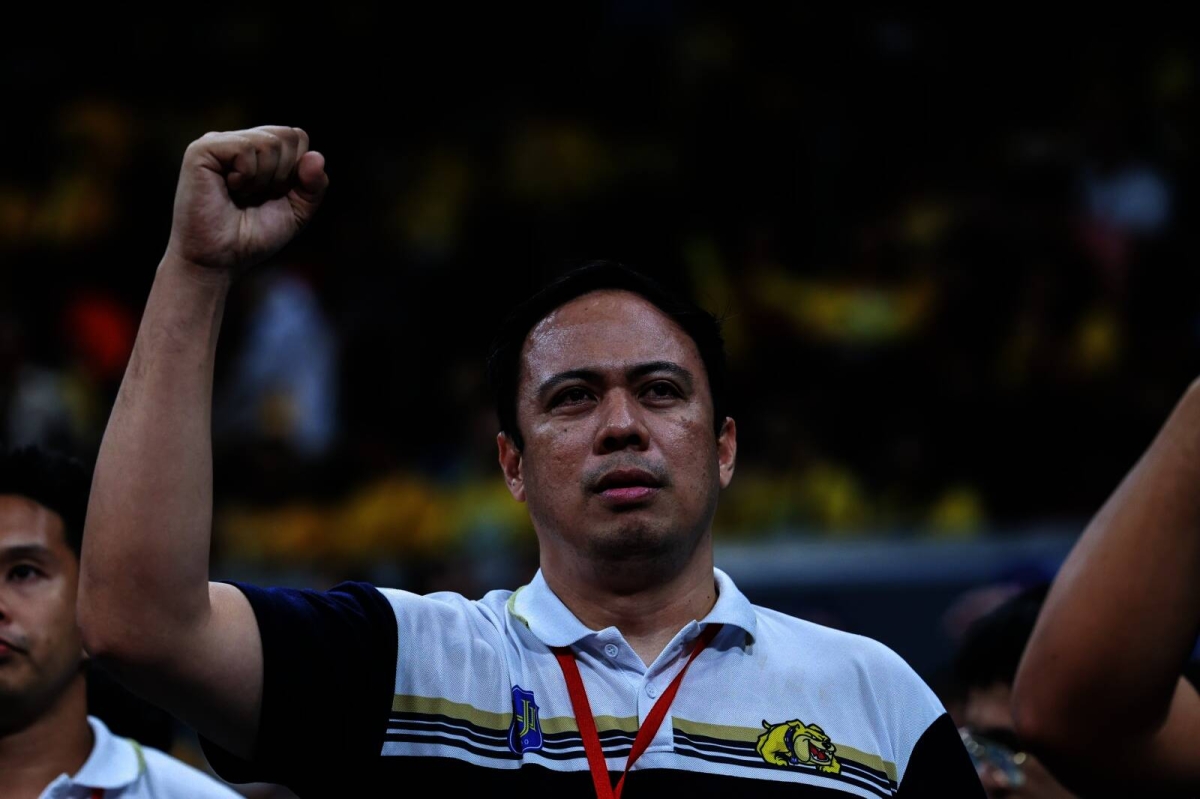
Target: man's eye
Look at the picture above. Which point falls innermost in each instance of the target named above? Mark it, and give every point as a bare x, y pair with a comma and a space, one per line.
573, 396
22, 573
661, 391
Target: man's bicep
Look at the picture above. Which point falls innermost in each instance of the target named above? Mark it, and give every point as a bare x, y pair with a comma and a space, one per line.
209, 676
318, 688
226, 673
1164, 761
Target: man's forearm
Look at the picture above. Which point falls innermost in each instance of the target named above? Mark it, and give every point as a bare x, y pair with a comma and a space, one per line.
1122, 616
149, 521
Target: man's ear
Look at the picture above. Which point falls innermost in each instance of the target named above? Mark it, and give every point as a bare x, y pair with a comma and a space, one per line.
510, 464
727, 451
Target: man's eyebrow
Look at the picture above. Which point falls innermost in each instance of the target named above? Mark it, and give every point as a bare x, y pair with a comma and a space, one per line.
554, 381
657, 367
26, 552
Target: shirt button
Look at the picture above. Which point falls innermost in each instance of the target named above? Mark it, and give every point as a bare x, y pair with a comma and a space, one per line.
611, 650
651, 692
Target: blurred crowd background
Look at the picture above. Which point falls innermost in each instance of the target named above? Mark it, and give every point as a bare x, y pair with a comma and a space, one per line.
954, 259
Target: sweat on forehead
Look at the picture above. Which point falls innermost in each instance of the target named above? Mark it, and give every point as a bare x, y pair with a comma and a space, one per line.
609, 328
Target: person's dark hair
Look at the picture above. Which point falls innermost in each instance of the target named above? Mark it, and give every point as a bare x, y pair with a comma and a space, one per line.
504, 357
54, 480
992, 646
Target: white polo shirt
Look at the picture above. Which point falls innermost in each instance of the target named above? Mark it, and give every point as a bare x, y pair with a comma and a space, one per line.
368, 686
124, 769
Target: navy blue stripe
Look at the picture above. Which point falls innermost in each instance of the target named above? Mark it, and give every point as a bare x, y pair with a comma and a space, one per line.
858, 768
719, 746
703, 742
507, 754
462, 729
563, 756
762, 764
607, 737
444, 719
863, 767
499, 740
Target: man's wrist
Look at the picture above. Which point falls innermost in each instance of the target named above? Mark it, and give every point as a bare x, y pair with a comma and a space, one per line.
202, 276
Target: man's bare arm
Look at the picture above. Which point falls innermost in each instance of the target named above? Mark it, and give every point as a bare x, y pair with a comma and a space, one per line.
146, 606
1099, 694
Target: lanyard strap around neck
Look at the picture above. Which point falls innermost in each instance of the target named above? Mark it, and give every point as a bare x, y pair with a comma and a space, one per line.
587, 723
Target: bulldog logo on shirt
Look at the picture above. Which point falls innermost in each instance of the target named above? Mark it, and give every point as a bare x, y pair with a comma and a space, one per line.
525, 732
794, 743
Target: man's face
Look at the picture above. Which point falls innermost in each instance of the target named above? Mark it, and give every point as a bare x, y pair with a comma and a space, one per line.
988, 715
41, 649
620, 462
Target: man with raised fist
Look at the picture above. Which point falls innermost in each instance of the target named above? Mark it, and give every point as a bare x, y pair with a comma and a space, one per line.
629, 657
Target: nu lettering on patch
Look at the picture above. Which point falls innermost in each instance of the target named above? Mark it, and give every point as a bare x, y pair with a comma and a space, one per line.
525, 732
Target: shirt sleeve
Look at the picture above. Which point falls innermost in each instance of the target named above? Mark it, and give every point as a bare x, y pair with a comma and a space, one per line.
940, 765
329, 660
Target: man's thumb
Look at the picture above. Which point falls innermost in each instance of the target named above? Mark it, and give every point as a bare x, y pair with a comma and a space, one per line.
311, 182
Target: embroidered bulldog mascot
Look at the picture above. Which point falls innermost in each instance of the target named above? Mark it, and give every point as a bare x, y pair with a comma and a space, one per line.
795, 743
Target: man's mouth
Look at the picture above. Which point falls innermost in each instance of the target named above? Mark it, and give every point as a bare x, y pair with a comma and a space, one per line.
628, 486
8, 648
628, 494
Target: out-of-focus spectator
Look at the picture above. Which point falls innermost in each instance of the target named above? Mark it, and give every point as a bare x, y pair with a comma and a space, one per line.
61, 401
985, 665
53, 742
284, 382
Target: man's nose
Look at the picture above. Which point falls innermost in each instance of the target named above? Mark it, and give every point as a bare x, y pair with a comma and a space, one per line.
623, 424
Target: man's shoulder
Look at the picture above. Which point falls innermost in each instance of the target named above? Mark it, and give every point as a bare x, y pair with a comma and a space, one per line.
820, 644
492, 602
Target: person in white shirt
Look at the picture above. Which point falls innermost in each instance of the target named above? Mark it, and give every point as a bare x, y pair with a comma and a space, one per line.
49, 746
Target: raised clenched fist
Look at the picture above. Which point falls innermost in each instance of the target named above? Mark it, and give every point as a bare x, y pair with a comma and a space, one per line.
242, 195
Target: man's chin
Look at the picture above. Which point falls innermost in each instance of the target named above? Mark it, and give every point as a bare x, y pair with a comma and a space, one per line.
17, 709
631, 539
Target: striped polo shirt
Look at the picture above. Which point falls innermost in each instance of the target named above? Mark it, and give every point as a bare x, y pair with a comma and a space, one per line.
374, 686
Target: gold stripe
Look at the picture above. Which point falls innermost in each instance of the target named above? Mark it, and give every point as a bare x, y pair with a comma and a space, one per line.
433, 705
720, 731
750, 735
430, 705
604, 724
867, 759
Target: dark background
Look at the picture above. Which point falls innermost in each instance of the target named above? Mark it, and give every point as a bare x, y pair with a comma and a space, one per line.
954, 257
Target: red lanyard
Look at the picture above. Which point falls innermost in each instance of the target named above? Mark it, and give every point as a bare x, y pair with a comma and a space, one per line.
587, 724
97, 793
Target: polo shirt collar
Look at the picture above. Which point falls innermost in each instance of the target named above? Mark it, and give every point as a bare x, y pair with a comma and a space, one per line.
552, 623
113, 763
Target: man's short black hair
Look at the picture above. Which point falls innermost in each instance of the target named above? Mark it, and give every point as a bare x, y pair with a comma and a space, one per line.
992, 646
54, 480
504, 358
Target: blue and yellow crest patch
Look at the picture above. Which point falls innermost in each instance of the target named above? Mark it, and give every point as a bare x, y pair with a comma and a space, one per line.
525, 732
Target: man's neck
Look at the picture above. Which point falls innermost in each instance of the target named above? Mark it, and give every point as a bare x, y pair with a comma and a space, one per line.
648, 617
57, 742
